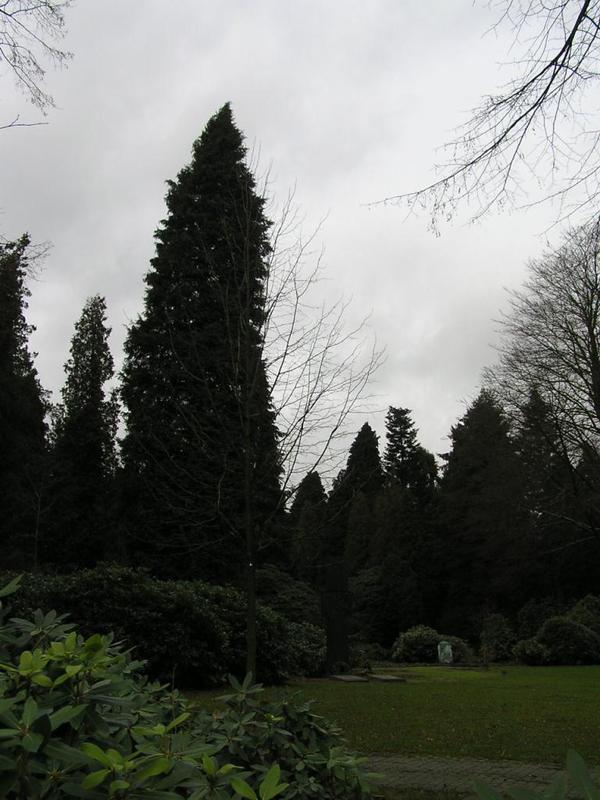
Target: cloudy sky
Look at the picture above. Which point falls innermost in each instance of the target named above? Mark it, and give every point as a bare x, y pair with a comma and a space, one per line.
347, 101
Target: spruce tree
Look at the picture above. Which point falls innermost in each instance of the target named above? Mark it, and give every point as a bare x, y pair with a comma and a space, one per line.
407, 464
83, 457
307, 526
482, 519
22, 412
363, 474
200, 451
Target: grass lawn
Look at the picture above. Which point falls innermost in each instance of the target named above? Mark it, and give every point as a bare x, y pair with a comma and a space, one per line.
523, 713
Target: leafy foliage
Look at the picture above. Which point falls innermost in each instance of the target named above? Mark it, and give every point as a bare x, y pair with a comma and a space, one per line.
187, 631
80, 720
534, 613
569, 642
419, 645
497, 638
587, 612
531, 652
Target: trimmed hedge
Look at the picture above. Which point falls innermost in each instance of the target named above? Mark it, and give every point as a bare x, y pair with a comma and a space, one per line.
191, 633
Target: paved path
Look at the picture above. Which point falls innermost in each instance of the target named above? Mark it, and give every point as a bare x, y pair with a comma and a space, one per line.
457, 774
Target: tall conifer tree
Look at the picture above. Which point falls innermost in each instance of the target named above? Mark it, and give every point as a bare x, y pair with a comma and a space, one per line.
483, 519
22, 411
200, 452
83, 459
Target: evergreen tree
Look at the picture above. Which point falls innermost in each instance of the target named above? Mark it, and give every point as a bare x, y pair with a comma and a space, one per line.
482, 519
406, 462
363, 474
83, 461
307, 524
200, 452
22, 412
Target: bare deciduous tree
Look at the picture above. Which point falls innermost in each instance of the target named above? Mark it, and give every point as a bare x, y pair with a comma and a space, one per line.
29, 31
539, 127
551, 342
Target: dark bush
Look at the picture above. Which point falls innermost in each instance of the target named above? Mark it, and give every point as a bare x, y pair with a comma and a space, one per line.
176, 631
497, 638
189, 632
569, 642
293, 599
531, 652
462, 653
587, 612
418, 644
534, 613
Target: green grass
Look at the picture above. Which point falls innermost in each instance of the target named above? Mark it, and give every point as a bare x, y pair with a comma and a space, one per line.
522, 713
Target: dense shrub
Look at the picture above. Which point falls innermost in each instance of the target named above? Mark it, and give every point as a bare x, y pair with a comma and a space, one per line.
569, 642
79, 720
497, 638
587, 612
191, 633
293, 599
531, 652
364, 654
417, 644
534, 613
283, 648
462, 653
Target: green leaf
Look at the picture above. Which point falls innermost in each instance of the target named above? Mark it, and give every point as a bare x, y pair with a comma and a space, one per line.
66, 714
32, 742
178, 720
11, 587
209, 765
269, 782
29, 711
243, 789
115, 786
94, 778
96, 753
156, 767
42, 680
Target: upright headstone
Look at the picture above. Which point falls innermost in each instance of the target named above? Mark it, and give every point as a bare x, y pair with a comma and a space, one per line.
445, 652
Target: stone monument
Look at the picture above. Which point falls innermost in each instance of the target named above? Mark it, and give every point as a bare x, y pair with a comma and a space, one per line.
445, 652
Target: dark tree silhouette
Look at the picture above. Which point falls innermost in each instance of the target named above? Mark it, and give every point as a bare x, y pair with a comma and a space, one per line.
22, 413
83, 454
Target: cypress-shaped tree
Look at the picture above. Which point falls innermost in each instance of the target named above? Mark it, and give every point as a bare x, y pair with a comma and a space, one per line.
201, 459
22, 412
83, 457
307, 525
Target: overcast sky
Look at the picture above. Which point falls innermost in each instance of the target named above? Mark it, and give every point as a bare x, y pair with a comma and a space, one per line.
346, 100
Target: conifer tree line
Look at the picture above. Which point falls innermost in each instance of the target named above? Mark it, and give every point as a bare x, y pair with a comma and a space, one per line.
194, 488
